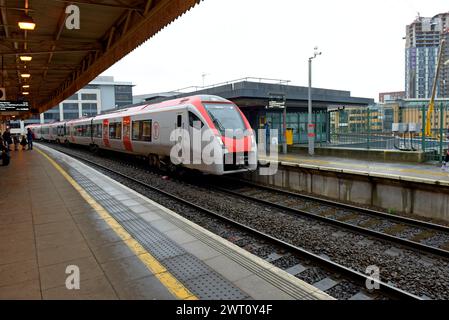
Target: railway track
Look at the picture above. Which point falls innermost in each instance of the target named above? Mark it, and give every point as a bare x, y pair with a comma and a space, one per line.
311, 265
415, 234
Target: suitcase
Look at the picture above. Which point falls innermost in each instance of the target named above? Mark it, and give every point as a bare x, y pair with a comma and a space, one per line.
5, 158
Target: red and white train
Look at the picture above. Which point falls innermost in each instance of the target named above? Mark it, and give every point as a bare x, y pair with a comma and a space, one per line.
147, 130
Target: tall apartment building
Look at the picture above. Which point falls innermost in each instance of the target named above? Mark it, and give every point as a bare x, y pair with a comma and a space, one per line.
423, 38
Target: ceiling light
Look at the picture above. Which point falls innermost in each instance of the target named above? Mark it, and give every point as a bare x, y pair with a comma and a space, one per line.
26, 58
25, 93
26, 86
25, 75
26, 22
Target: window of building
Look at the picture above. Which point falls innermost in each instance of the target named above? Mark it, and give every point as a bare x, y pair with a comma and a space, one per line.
89, 109
142, 130
115, 130
74, 97
70, 106
51, 116
88, 96
71, 115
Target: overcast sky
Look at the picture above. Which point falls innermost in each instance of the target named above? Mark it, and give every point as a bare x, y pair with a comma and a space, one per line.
361, 41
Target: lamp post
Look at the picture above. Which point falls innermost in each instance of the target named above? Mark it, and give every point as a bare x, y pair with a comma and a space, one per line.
310, 124
204, 77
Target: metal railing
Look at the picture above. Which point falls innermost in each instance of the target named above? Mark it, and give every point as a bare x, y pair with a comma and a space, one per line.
220, 84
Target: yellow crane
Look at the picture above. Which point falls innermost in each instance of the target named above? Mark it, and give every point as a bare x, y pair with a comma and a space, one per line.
428, 130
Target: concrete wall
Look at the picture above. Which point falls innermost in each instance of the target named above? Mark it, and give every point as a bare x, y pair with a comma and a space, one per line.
422, 198
364, 154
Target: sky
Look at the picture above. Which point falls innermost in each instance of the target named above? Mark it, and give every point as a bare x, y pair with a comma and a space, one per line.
361, 42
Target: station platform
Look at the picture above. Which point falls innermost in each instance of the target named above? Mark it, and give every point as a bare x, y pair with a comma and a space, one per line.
63, 223
420, 173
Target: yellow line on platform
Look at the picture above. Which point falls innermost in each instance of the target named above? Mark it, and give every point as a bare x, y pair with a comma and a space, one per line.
176, 288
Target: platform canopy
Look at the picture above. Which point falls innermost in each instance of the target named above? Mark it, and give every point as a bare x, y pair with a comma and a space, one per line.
64, 58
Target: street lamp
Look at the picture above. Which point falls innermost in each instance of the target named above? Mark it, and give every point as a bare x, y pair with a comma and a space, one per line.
204, 77
311, 125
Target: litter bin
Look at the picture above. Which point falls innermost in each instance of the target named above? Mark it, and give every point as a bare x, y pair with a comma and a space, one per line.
289, 136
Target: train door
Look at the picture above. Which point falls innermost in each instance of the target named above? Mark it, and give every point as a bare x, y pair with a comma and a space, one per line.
182, 134
127, 134
91, 131
195, 130
106, 133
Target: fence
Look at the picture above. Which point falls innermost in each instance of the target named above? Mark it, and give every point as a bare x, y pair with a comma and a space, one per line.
373, 128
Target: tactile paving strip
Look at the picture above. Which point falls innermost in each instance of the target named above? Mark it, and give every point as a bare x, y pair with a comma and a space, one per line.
199, 278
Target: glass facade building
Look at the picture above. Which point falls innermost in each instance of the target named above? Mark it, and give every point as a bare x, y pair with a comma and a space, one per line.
423, 41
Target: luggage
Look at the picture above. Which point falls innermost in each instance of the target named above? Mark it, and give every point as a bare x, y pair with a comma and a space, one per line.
5, 158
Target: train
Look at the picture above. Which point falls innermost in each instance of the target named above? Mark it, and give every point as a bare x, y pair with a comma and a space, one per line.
205, 133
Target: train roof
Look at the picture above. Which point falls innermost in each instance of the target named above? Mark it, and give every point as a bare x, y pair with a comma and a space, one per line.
134, 109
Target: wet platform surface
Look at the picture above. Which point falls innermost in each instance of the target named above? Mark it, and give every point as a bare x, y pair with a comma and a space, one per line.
56, 213
416, 172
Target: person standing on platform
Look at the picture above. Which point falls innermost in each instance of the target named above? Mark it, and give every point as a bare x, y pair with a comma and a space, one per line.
23, 142
444, 167
7, 138
15, 138
30, 139
267, 135
4, 152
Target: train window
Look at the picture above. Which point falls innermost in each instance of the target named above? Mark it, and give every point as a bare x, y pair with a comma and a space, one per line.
115, 130
194, 121
179, 121
86, 131
142, 130
97, 131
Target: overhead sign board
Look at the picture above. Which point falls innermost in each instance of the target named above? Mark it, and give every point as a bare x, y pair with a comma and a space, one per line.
276, 101
276, 104
14, 106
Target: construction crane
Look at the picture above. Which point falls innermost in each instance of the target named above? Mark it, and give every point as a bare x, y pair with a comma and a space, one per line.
428, 130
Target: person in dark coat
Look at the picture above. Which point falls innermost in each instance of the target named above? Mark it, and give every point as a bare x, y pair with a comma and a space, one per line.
7, 140
30, 139
4, 151
23, 142
16, 141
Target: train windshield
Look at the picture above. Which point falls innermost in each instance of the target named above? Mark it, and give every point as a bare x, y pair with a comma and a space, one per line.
226, 117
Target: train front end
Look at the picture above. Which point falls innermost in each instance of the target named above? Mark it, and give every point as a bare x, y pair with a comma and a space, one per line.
234, 135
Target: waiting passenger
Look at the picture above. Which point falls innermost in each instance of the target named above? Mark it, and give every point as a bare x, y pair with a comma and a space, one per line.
15, 139
7, 138
4, 152
30, 139
444, 167
23, 142
267, 136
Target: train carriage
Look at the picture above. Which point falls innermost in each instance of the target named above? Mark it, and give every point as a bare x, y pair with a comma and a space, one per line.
167, 134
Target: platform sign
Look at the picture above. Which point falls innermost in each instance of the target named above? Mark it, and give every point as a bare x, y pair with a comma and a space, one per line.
14, 106
276, 101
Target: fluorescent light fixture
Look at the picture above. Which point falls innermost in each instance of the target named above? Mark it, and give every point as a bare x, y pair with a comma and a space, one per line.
25, 93
26, 23
26, 86
26, 58
25, 75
